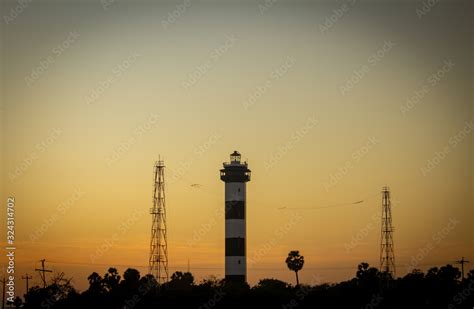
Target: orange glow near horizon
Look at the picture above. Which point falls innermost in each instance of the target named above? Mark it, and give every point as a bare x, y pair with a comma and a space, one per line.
92, 97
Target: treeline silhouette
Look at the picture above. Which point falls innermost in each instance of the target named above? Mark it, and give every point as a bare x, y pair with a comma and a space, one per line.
437, 288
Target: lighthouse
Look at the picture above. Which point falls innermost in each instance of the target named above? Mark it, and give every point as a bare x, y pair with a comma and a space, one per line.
235, 174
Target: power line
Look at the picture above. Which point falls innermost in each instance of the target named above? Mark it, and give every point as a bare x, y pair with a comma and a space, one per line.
220, 267
355, 202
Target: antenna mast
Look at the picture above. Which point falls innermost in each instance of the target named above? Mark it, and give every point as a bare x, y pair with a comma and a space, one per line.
158, 261
387, 255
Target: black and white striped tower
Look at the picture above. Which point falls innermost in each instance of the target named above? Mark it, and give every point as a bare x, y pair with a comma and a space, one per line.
235, 174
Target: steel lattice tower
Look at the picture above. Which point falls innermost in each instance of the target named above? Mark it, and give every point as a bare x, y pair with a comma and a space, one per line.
387, 254
158, 262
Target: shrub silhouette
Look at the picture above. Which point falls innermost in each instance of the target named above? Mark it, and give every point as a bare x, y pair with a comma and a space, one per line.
437, 288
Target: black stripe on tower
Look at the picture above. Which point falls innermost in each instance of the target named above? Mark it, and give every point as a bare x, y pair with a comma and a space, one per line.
235, 210
235, 246
235, 278
239, 173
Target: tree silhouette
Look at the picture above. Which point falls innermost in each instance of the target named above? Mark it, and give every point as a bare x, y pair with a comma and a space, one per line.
470, 275
17, 302
95, 283
111, 279
366, 274
438, 288
131, 276
181, 281
295, 262
270, 293
272, 286
369, 280
55, 293
129, 285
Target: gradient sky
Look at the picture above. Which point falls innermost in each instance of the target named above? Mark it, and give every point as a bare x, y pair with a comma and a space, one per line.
328, 102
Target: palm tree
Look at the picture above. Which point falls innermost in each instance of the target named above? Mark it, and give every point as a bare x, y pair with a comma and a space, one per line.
295, 262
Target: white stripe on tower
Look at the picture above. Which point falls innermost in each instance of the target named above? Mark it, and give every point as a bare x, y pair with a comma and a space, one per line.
234, 228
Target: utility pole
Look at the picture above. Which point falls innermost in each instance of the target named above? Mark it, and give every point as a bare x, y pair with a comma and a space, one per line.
26, 277
462, 262
43, 272
4, 281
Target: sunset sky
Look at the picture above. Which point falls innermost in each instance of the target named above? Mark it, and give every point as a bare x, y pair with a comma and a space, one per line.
327, 101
